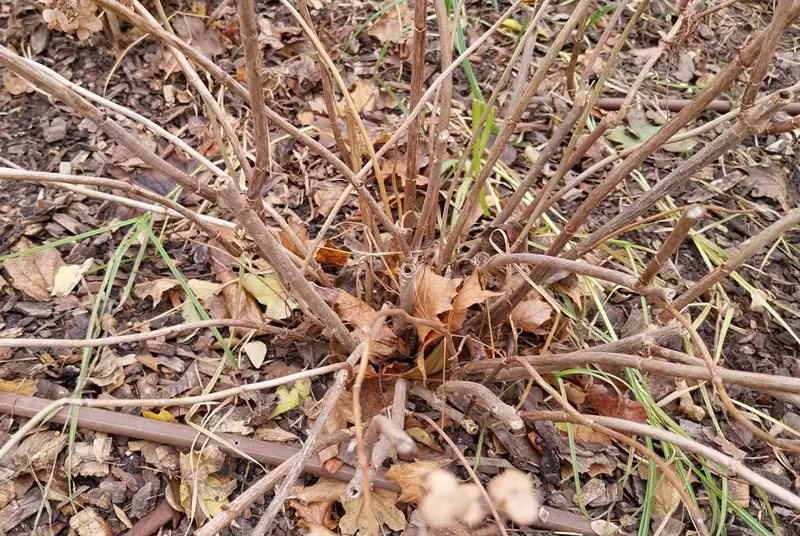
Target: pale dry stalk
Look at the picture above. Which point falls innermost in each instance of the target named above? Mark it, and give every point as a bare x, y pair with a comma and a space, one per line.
55, 405
582, 268
741, 255
203, 222
407, 212
252, 57
111, 128
756, 118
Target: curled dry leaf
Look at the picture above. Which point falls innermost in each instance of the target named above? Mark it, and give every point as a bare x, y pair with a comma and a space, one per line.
72, 16
531, 314
201, 492
361, 316
411, 478
665, 496
268, 289
92, 459
356, 517
389, 27
107, 370
154, 289
34, 273
608, 402
435, 295
313, 515
471, 293
38, 451
68, 276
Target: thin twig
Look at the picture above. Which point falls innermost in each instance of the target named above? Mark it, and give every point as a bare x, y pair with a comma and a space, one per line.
691, 215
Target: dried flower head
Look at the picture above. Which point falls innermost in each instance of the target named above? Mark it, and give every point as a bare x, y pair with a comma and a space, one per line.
475, 509
513, 493
442, 505
72, 16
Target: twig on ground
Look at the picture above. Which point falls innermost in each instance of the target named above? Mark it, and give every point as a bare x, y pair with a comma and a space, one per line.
484, 397
441, 406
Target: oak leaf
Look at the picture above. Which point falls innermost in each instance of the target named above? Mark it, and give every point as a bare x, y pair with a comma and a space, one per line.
608, 402
471, 293
34, 273
361, 316
531, 314
314, 514
356, 519
410, 478
435, 295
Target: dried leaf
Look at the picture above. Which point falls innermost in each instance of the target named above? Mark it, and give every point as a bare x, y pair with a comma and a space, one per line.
38, 451
389, 27
122, 516
361, 316
423, 438
256, 352
582, 434
739, 492
326, 489
154, 289
771, 182
410, 477
314, 514
201, 493
531, 314
88, 522
160, 415
289, 399
471, 293
665, 496
640, 130
327, 197
364, 95
239, 304
330, 254
610, 403
269, 291
356, 519
92, 459
268, 35
202, 36
68, 276
203, 290
301, 234
107, 370
22, 387
34, 273
435, 296
686, 404
16, 85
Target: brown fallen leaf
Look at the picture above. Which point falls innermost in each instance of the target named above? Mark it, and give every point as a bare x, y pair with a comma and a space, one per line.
771, 182
356, 519
154, 289
389, 27
106, 371
435, 295
361, 316
607, 401
38, 451
22, 387
202, 36
410, 477
314, 514
364, 95
330, 254
531, 314
34, 273
202, 493
327, 197
300, 232
686, 404
665, 496
471, 293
